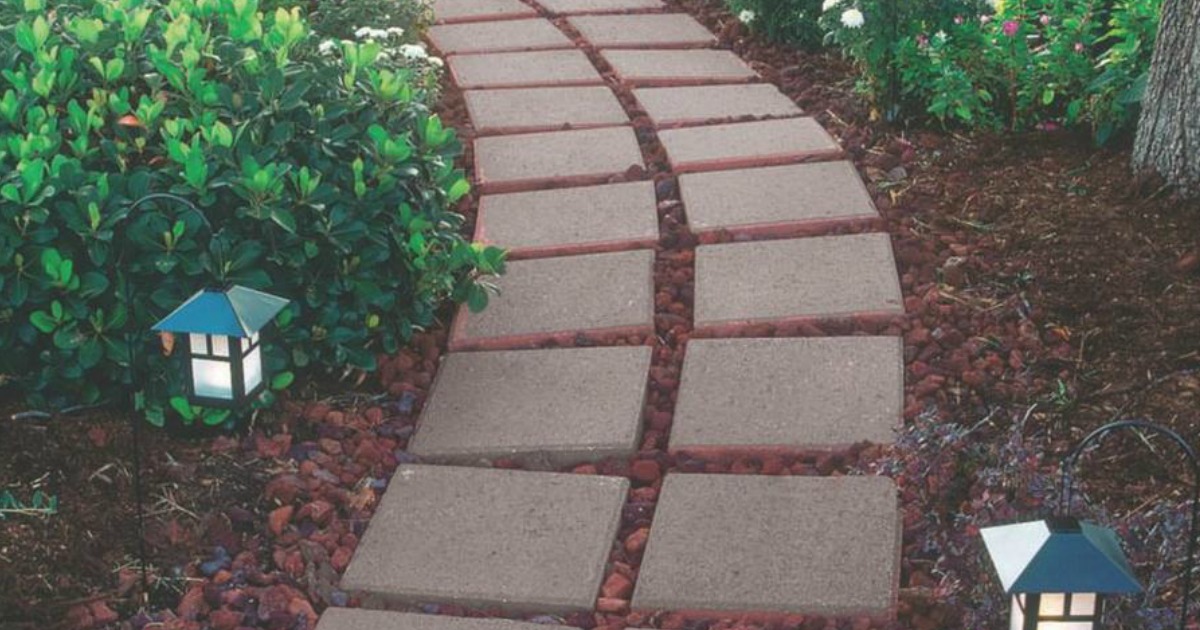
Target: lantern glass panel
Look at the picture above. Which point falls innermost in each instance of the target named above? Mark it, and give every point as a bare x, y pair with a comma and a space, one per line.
1017, 618
220, 345
252, 369
1053, 605
1066, 625
198, 343
212, 379
1083, 604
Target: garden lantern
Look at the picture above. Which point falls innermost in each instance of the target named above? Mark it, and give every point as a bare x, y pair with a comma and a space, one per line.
1056, 571
224, 361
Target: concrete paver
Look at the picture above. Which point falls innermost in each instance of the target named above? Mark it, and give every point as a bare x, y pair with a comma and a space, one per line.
563, 221
502, 36
544, 408
788, 394
675, 106
453, 11
581, 7
517, 540
737, 145
664, 30
742, 543
677, 67
581, 157
549, 68
360, 619
543, 109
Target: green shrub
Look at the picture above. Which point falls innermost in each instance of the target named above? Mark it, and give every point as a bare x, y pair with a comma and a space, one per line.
791, 22
324, 176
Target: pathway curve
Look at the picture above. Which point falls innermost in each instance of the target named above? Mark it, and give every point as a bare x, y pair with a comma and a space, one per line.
684, 244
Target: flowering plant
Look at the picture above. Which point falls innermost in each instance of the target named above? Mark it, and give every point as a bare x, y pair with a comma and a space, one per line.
784, 21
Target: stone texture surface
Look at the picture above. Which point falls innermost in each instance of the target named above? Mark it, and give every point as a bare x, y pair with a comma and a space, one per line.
522, 541
362, 619
677, 67
789, 394
556, 298
570, 220
773, 281
762, 143
665, 30
675, 106
544, 408
543, 109
777, 199
826, 546
569, 7
512, 163
530, 69
453, 11
503, 36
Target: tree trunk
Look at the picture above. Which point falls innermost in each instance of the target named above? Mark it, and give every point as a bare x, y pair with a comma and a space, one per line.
1168, 134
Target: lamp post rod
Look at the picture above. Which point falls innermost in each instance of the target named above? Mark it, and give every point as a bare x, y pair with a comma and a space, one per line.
1072, 459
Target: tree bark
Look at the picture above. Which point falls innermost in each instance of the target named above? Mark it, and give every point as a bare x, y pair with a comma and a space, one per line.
1168, 134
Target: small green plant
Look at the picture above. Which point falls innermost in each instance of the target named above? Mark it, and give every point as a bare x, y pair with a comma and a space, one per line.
791, 22
40, 504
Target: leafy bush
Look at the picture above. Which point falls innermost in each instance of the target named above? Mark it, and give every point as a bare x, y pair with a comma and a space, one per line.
323, 176
783, 21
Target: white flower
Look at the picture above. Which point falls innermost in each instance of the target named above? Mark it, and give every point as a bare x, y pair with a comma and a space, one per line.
413, 51
327, 47
369, 33
852, 18
436, 62
395, 31
940, 36
829, 4
747, 16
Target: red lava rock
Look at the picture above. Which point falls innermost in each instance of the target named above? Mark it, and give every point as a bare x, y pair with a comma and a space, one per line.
102, 614
374, 415
320, 512
224, 619
316, 412
341, 558
284, 488
584, 469
610, 605
192, 605
331, 446
79, 617
301, 607
673, 621
636, 542
278, 519
617, 586
1189, 262
98, 436
645, 470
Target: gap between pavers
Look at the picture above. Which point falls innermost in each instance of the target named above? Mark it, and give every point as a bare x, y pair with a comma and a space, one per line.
530, 110
661, 30
777, 201
587, 7
364, 619
488, 538
495, 37
677, 67
733, 544
568, 221
739, 145
459, 11
562, 158
544, 408
707, 104
808, 279
557, 299
548, 68
788, 395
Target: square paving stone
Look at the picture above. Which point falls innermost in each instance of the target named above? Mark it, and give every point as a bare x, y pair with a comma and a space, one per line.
363, 619
564, 221
665, 30
479, 537
503, 36
547, 68
452, 11
674, 106
543, 109
788, 394
743, 543
576, 7
762, 143
522, 162
677, 67
557, 298
545, 408
739, 284
777, 199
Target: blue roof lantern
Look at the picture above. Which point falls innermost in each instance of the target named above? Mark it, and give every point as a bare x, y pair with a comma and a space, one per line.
1059, 555
234, 312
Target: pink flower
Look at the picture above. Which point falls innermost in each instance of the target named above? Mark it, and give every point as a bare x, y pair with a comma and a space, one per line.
1078, 47
985, 19
1045, 19
958, 19
922, 41
1011, 28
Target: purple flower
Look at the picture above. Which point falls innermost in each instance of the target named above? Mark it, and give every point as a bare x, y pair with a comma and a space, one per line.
1011, 28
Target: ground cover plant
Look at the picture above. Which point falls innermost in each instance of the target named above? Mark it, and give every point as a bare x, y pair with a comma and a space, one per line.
321, 173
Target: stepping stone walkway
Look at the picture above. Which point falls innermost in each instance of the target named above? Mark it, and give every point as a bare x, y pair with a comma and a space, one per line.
555, 373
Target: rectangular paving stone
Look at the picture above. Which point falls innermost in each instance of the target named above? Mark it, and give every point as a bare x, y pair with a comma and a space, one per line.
558, 298
738, 284
522, 162
547, 68
675, 106
503, 36
454, 11
544, 408
484, 538
664, 30
788, 394
363, 619
578, 7
566, 221
543, 109
737, 145
677, 67
746, 543
777, 200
